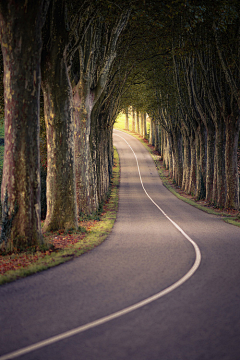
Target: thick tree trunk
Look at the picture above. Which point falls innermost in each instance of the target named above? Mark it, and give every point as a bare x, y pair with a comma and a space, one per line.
219, 182
144, 125
177, 154
186, 162
210, 163
137, 122
87, 196
61, 187
157, 137
192, 178
165, 150
133, 120
96, 53
110, 152
141, 123
126, 119
20, 193
151, 134
232, 177
201, 162
169, 154
100, 141
162, 142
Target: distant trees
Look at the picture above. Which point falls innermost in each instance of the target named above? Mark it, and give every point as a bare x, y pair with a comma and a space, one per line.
203, 126
189, 86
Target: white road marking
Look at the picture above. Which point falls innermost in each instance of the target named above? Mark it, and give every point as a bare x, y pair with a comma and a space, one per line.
125, 311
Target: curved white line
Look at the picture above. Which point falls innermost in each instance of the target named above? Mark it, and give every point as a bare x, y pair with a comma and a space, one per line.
127, 310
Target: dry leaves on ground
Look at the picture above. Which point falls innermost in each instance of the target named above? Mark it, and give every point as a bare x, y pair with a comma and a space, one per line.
59, 241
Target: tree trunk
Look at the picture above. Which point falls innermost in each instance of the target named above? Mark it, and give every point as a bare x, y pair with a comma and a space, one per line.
210, 163
141, 123
156, 137
96, 54
110, 153
102, 155
192, 179
162, 141
137, 122
61, 187
133, 120
186, 162
231, 161
169, 154
144, 125
219, 183
58, 113
87, 197
201, 162
177, 154
151, 134
126, 119
20, 193
165, 149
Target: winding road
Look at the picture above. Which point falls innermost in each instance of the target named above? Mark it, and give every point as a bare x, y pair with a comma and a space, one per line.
165, 285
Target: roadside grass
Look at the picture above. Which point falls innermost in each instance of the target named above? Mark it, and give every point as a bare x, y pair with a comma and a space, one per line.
62, 246
231, 217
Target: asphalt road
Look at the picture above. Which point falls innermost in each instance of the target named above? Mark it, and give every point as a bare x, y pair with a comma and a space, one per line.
145, 254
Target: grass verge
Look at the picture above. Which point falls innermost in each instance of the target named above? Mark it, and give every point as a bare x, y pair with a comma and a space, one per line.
229, 217
63, 246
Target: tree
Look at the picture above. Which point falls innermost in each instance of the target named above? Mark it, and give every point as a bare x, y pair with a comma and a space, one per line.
58, 113
20, 192
96, 54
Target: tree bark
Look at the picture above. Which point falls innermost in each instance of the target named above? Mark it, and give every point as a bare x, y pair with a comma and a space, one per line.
157, 137
126, 119
87, 196
177, 154
141, 124
61, 187
137, 122
200, 162
219, 181
192, 178
186, 162
133, 120
169, 154
151, 134
20, 193
231, 162
58, 114
210, 163
144, 125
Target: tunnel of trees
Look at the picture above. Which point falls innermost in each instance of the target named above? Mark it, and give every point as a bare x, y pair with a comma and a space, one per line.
71, 66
